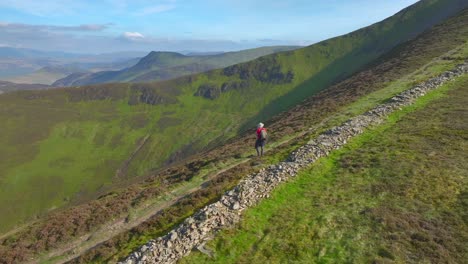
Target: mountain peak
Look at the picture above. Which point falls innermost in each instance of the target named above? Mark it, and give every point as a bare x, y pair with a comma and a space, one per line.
164, 54
160, 58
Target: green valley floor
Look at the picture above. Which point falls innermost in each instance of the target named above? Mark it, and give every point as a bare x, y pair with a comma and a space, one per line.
397, 193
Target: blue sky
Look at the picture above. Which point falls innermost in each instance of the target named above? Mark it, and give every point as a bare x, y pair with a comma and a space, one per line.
203, 25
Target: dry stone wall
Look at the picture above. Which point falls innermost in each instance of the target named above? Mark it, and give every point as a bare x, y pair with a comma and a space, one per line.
196, 230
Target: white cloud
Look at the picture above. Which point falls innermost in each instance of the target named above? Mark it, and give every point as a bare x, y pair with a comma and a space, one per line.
133, 35
149, 10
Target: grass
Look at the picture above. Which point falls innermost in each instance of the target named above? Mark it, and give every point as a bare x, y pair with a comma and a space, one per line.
395, 193
112, 124
77, 139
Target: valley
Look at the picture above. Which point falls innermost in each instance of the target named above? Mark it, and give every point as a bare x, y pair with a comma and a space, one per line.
104, 168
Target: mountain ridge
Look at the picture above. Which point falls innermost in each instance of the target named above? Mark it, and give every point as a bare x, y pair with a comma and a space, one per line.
163, 65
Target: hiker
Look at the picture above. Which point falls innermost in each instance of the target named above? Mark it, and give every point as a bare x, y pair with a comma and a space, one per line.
261, 139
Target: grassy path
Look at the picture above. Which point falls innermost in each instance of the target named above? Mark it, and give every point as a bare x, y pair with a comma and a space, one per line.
84, 243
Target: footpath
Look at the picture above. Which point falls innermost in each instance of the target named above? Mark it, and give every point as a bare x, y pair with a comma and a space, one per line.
196, 230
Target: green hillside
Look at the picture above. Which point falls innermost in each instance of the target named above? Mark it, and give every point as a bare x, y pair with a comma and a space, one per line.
396, 194
169, 65
430, 54
62, 146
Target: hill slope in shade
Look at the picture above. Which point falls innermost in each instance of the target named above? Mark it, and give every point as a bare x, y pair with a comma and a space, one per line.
169, 65
77, 141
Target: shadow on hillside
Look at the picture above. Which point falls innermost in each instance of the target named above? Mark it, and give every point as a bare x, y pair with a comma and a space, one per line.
335, 72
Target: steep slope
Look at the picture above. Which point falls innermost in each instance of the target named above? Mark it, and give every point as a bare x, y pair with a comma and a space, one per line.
84, 70
397, 193
198, 178
169, 65
103, 134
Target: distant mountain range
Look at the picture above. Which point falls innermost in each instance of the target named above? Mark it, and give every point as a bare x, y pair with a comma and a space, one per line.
9, 86
27, 66
49, 74
168, 65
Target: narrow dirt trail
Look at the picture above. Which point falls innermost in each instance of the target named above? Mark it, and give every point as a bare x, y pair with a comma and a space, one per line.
84, 243
79, 246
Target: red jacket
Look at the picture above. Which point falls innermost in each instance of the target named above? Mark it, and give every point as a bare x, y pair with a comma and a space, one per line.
259, 132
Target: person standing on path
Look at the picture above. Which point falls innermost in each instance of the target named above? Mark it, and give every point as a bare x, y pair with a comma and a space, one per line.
261, 139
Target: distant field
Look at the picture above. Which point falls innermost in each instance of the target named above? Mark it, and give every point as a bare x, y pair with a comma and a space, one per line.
396, 193
37, 77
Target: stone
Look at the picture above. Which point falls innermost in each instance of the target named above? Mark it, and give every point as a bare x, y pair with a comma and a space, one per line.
173, 236
168, 244
144, 248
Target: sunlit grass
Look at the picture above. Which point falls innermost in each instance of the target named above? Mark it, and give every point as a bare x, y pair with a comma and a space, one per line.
337, 210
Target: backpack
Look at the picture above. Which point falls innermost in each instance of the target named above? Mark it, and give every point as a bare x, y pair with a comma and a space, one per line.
263, 134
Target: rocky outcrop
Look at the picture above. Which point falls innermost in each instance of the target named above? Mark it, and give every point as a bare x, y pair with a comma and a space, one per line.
209, 91
143, 93
264, 69
196, 230
234, 85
